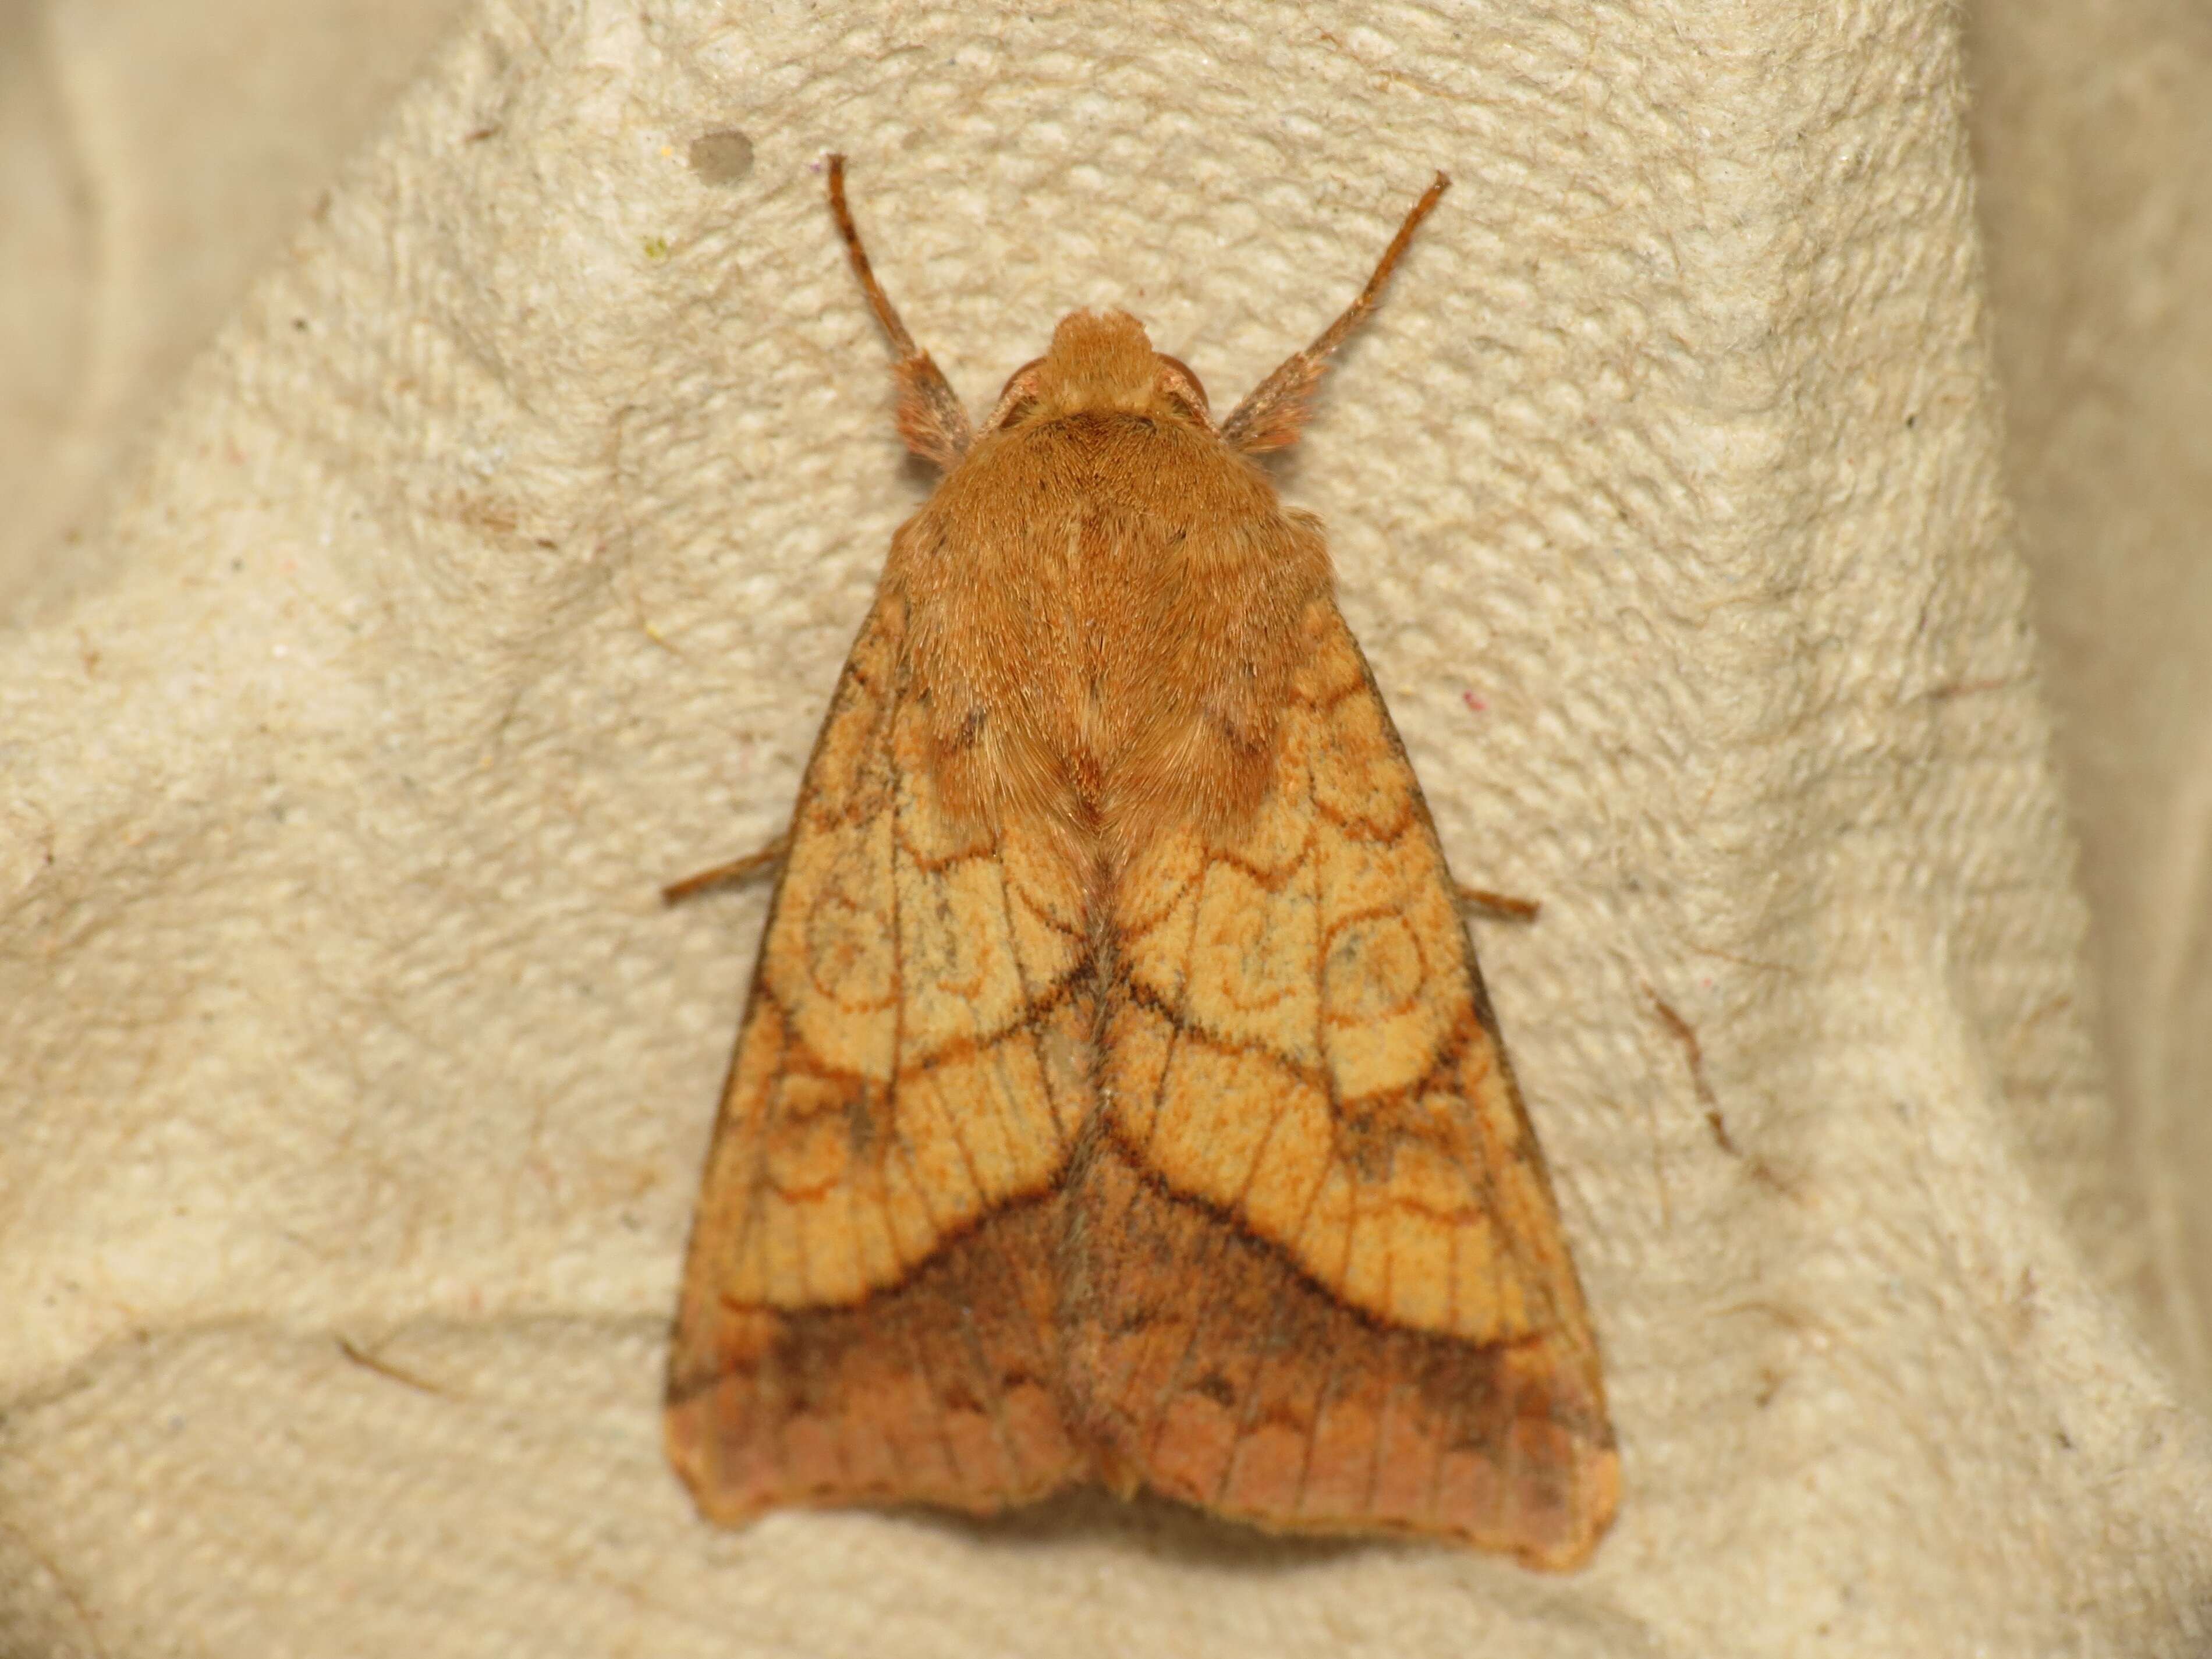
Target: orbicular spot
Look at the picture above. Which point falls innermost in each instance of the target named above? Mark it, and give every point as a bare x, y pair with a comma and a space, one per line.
961, 980
1251, 974
1375, 969
1242, 938
848, 957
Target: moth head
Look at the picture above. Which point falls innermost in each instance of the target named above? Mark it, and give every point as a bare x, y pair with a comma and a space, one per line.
1101, 360
1098, 361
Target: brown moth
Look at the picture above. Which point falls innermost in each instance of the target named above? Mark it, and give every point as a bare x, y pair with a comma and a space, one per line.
1118, 1099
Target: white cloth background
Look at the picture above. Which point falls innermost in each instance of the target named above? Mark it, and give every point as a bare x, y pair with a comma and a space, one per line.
369, 667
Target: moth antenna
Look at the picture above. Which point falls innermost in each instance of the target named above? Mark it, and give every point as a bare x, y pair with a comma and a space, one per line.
930, 418
1277, 410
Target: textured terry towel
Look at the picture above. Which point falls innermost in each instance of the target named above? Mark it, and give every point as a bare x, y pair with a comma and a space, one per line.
494, 565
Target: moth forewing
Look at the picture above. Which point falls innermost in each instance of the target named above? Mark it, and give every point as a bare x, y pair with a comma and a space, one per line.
1117, 1098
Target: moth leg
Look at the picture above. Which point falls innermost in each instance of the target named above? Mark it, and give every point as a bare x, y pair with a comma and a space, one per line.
930, 418
1277, 410
736, 870
1500, 907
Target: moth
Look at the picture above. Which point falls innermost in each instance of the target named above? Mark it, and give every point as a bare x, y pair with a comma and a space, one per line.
1117, 1099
